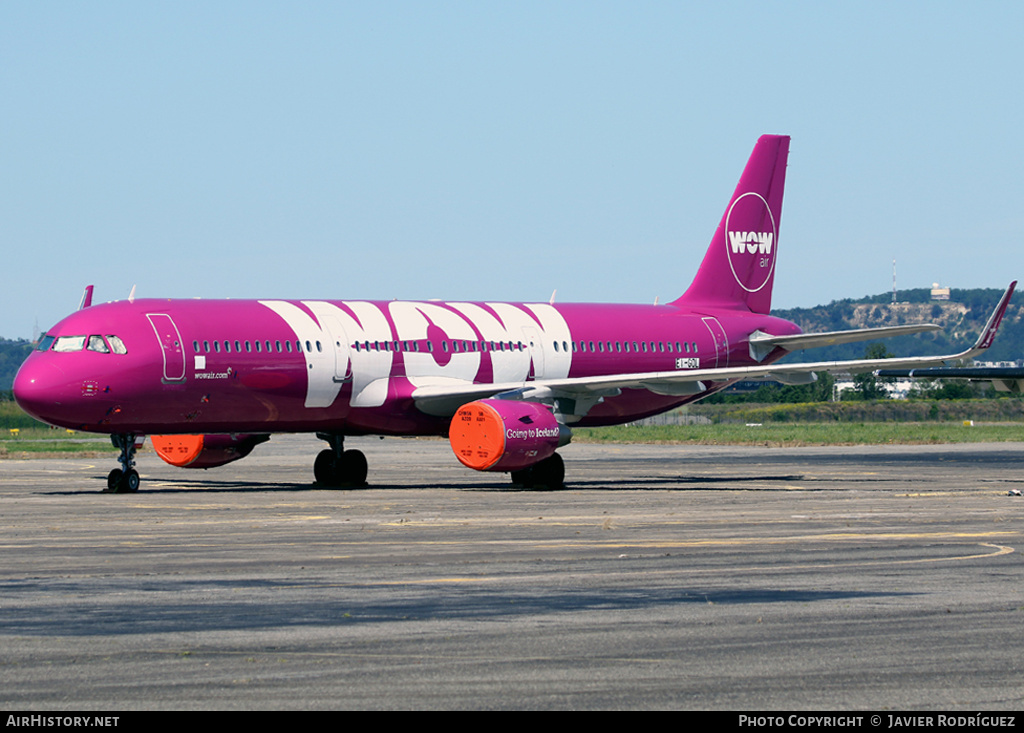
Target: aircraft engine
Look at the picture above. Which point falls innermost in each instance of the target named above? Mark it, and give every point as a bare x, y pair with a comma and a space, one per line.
204, 451
505, 435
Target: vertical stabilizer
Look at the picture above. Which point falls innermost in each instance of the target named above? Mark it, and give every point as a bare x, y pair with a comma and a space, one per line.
739, 267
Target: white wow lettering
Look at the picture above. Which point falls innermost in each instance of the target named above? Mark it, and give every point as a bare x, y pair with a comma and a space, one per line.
751, 242
440, 332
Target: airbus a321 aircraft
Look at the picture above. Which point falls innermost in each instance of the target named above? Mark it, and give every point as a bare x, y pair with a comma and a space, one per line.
208, 380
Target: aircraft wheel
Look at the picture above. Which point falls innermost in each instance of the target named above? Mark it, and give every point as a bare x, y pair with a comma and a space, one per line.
113, 479
548, 475
352, 468
323, 468
522, 478
131, 481
119, 482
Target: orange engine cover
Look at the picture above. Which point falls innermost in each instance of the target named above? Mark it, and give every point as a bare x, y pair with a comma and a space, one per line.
204, 451
505, 435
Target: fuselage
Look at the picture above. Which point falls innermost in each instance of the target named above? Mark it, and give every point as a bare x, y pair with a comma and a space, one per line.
228, 366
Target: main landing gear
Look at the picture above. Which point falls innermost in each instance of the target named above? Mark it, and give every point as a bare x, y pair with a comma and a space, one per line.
549, 474
337, 467
124, 480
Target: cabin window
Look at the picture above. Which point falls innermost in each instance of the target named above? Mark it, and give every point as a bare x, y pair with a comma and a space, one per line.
319, 348
195, 346
238, 347
248, 347
257, 345
216, 346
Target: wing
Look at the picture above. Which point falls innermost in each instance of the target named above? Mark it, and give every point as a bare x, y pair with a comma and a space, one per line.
443, 398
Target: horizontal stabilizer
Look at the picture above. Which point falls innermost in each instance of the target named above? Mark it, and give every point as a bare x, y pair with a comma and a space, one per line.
978, 373
1004, 379
762, 344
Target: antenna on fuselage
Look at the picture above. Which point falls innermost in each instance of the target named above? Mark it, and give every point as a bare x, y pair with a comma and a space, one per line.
553, 294
86, 298
131, 295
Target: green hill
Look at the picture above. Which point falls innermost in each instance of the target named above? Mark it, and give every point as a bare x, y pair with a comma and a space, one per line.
962, 318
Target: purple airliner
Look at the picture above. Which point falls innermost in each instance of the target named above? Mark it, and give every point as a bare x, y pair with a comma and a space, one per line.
208, 380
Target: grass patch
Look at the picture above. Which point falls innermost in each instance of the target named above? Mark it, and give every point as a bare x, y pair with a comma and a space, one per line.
798, 434
41, 442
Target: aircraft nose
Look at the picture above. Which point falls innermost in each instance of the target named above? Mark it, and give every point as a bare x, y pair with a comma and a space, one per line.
37, 389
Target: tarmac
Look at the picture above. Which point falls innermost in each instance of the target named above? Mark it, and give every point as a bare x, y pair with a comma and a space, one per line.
661, 577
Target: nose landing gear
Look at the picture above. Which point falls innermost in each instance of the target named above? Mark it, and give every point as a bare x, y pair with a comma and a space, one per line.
124, 480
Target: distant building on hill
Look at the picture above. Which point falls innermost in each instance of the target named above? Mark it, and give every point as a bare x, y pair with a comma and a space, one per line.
939, 293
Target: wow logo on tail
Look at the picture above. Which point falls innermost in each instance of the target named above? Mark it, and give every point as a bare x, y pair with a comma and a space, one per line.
739, 266
750, 241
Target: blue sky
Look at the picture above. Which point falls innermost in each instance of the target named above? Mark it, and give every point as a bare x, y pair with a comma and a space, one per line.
491, 150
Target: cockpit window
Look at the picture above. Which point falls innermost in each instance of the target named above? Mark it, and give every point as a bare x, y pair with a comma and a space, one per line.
45, 342
96, 343
69, 343
116, 345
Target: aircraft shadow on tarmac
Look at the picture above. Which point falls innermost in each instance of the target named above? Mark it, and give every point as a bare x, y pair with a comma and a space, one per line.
185, 605
646, 483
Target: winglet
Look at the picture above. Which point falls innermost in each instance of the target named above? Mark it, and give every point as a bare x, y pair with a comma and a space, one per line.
86, 298
988, 334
